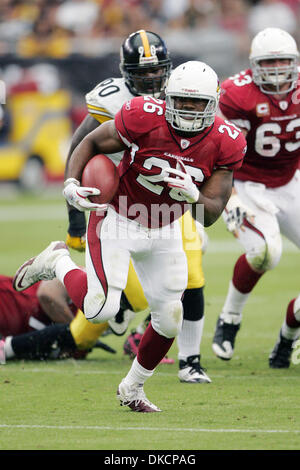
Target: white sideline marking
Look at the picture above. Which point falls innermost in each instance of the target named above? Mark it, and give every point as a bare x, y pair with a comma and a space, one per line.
135, 428
118, 372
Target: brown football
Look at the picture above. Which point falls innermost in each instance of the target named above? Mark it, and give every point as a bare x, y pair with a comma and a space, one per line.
100, 172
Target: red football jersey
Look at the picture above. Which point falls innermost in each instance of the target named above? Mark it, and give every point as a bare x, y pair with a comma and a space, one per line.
154, 145
273, 139
17, 308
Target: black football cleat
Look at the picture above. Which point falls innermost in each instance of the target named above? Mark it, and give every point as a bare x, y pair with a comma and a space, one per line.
191, 371
281, 354
224, 339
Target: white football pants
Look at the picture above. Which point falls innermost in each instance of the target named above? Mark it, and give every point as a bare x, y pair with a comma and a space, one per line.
158, 258
277, 211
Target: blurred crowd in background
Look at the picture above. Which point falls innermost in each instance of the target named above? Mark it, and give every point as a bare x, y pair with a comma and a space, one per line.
68, 46
58, 28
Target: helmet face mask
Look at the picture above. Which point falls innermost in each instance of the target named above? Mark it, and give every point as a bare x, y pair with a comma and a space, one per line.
274, 45
145, 63
271, 80
147, 80
196, 81
188, 120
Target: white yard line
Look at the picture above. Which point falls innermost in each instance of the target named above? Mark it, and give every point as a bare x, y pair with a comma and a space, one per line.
147, 428
79, 371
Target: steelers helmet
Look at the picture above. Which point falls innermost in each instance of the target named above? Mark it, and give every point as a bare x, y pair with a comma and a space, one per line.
145, 63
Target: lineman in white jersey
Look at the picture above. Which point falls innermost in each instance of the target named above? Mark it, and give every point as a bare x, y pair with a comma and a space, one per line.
145, 66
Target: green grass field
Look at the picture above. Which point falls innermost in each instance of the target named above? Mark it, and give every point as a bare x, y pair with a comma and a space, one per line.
72, 405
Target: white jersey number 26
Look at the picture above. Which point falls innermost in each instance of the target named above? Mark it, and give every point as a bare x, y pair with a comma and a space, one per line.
152, 182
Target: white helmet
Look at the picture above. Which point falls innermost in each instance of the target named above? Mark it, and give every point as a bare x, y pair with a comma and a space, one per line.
274, 43
192, 79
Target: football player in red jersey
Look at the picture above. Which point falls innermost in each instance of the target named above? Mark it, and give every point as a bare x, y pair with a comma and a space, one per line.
263, 101
145, 65
42, 304
42, 323
23, 314
177, 154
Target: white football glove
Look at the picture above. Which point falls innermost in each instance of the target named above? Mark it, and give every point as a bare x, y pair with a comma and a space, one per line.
234, 214
77, 196
182, 182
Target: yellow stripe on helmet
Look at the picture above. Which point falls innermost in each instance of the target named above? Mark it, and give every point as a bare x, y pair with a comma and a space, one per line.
145, 42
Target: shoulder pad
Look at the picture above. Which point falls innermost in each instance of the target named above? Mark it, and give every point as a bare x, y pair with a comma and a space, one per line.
105, 100
238, 92
136, 119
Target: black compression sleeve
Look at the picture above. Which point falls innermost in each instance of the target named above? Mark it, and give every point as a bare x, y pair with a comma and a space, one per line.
77, 223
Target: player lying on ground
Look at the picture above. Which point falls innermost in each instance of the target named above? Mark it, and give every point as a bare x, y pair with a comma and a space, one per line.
42, 323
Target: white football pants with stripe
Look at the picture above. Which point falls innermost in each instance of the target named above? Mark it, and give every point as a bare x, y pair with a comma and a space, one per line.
158, 258
277, 211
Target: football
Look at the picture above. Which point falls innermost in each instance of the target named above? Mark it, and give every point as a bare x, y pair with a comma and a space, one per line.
100, 172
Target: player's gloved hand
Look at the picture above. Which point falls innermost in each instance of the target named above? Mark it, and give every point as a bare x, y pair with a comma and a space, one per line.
77, 196
235, 214
183, 182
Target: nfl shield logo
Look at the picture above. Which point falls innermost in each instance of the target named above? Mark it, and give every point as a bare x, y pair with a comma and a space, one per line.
283, 105
184, 144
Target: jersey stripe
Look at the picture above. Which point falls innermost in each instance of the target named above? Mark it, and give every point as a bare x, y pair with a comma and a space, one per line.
100, 118
103, 113
92, 106
100, 114
97, 109
95, 248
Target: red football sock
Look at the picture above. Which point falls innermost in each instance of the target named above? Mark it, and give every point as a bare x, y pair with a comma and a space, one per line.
290, 319
244, 277
152, 348
75, 282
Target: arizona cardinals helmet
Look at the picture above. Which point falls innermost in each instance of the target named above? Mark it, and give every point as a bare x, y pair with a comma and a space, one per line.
274, 43
192, 79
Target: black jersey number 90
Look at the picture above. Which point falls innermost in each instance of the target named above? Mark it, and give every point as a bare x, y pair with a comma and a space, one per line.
106, 88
